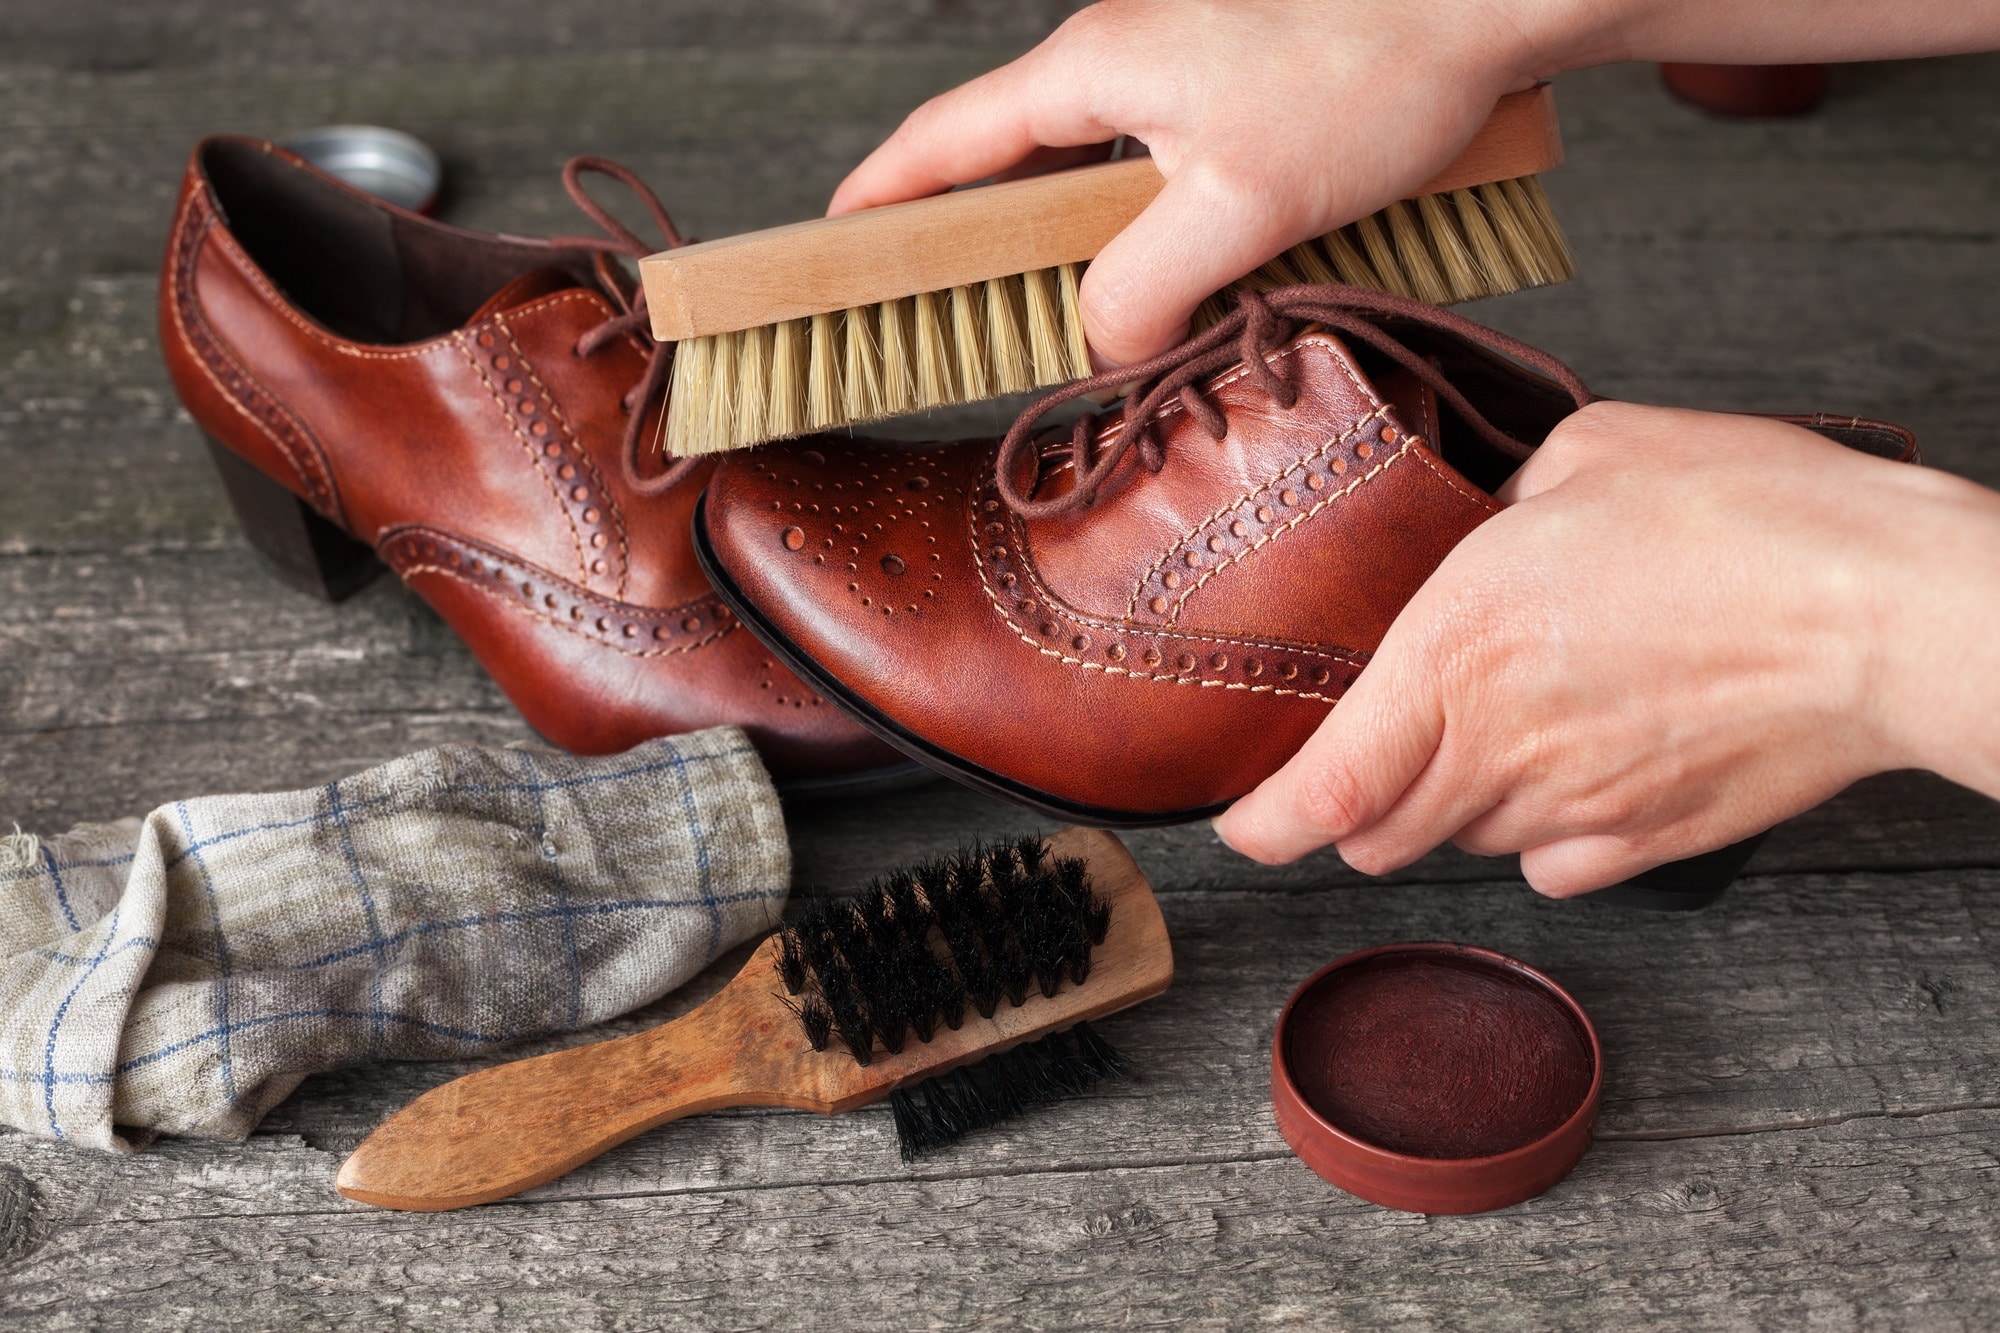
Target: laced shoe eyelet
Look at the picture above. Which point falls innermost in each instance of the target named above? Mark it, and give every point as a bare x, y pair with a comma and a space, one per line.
1250, 338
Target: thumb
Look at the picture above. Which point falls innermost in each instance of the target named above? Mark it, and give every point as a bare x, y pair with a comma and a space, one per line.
1202, 232
1346, 777
1581, 864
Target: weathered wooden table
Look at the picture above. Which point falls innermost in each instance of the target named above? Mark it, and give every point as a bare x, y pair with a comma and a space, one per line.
1802, 1107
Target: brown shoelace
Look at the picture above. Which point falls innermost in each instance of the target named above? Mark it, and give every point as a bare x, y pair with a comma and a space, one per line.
1259, 325
618, 239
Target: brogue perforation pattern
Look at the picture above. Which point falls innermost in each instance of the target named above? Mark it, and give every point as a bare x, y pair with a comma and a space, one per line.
636, 631
640, 631
1139, 651
1298, 493
879, 529
597, 530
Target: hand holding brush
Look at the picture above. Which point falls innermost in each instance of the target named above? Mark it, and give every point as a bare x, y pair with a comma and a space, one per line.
1273, 122
1279, 120
1270, 126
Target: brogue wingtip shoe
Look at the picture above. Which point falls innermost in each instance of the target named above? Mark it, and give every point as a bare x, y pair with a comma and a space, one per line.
1141, 660
1138, 622
464, 408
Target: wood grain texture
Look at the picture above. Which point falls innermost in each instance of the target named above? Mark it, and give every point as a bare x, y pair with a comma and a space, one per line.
1798, 1123
1869, 1224
1820, 1186
110, 37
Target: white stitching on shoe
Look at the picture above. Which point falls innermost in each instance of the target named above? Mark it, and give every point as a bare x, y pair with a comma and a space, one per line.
1062, 611
312, 470
528, 447
609, 501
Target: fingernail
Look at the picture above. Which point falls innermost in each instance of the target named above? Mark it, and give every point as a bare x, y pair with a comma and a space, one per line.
1216, 823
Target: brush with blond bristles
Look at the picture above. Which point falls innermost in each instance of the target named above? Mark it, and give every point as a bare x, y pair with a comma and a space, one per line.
973, 294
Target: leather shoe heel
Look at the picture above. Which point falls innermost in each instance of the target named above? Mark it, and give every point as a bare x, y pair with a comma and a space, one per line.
302, 548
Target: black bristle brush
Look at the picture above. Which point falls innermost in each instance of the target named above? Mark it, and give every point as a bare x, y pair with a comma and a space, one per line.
959, 989
1013, 920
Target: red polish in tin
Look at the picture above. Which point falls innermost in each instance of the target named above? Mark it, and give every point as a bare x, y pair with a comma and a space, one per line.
1435, 1078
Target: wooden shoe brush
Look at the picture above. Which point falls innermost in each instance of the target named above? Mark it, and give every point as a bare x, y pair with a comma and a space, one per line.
973, 294
998, 956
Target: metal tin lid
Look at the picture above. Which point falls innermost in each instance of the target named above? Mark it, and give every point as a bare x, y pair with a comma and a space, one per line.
1435, 1078
388, 164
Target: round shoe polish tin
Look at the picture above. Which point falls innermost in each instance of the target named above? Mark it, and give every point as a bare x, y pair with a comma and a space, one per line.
1435, 1078
388, 164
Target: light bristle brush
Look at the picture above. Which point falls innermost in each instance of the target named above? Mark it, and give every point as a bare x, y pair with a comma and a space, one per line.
997, 956
974, 294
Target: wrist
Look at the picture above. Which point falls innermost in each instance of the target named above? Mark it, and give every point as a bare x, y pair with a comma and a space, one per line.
1936, 675
1573, 34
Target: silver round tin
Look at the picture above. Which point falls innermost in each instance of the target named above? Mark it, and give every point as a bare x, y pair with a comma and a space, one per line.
386, 163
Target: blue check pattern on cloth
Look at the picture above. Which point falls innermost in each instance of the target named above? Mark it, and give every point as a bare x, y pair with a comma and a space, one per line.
182, 973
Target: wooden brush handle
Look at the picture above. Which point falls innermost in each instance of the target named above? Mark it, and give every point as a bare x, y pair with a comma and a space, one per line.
968, 236
509, 1128
514, 1126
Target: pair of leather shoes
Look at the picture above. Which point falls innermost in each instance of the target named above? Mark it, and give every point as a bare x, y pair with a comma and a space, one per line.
472, 411
1121, 623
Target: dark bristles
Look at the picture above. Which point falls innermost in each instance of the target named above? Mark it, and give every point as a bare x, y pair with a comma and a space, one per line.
923, 945
940, 1111
816, 1019
913, 915
1100, 1054
791, 964
959, 913
1092, 911
1008, 930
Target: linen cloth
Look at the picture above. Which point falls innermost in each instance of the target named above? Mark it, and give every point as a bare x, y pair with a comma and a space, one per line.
182, 973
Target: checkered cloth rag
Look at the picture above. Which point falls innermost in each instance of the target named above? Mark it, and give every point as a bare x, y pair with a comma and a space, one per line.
182, 973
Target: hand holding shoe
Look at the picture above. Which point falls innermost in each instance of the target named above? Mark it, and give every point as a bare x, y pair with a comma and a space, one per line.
1137, 622
1685, 628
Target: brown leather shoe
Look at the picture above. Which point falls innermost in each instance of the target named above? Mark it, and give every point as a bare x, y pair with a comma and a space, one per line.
468, 408
1136, 624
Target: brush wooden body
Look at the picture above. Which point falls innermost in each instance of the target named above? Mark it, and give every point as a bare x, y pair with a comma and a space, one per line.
505, 1129
968, 236
974, 294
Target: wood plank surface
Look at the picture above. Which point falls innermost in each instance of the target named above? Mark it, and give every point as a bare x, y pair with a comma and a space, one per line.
1803, 1085
1789, 1132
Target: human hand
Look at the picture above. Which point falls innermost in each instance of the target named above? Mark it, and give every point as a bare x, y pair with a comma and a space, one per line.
1684, 629
1272, 120
1277, 120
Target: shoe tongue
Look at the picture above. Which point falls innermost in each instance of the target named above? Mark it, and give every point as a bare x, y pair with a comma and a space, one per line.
533, 284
